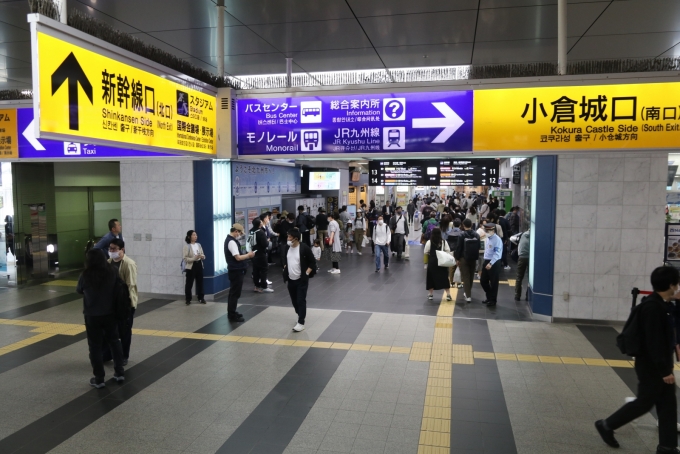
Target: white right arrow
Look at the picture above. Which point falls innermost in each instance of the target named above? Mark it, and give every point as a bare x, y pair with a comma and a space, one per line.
29, 134
451, 122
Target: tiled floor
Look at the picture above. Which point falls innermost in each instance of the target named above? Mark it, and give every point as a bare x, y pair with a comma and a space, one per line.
379, 369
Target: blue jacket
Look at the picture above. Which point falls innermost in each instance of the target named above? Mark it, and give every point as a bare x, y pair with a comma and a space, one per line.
103, 244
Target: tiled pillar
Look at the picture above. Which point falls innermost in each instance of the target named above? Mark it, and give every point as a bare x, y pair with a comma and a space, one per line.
157, 198
609, 231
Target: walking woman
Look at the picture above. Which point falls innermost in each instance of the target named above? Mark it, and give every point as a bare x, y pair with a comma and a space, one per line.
193, 266
359, 231
334, 249
472, 216
437, 276
97, 284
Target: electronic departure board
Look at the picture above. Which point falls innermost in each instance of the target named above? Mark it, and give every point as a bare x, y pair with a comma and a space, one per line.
443, 172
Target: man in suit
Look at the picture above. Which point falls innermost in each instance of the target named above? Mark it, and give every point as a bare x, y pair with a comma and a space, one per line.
387, 212
299, 264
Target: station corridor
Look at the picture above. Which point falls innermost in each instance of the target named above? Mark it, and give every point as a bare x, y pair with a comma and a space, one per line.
379, 369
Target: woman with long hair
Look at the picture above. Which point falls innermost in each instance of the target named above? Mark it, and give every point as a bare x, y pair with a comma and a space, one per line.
97, 283
437, 276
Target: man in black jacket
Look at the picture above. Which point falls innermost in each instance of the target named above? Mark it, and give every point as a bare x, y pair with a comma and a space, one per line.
466, 266
304, 222
299, 265
322, 226
260, 265
653, 366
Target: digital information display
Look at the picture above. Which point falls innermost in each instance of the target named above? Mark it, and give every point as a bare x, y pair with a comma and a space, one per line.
322, 181
450, 172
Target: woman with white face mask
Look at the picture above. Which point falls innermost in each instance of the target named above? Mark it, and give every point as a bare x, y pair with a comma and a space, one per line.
193, 263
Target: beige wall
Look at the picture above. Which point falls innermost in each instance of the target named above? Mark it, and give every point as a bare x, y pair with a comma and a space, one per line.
609, 231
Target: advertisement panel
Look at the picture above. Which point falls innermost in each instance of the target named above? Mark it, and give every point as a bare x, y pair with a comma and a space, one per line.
86, 96
362, 123
258, 179
579, 117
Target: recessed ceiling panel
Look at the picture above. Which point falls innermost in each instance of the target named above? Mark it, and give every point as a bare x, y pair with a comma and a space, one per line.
253, 64
201, 42
429, 55
646, 45
363, 8
157, 15
8, 62
522, 51
337, 60
14, 12
536, 22
638, 16
514, 3
317, 35
276, 11
9, 33
17, 74
20, 50
415, 29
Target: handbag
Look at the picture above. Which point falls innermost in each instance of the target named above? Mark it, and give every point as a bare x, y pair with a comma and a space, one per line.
365, 242
445, 259
327, 241
312, 231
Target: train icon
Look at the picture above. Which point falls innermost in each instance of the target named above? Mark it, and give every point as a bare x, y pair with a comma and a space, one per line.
394, 138
310, 140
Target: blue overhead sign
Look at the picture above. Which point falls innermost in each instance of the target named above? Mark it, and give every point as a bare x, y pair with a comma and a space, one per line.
367, 124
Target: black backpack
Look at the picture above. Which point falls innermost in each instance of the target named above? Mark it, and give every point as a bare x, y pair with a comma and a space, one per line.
630, 340
453, 241
471, 248
121, 300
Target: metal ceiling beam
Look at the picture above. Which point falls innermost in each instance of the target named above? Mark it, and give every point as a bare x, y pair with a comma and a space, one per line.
562, 37
220, 37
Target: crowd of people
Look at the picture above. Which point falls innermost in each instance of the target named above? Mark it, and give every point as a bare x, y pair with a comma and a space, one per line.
474, 232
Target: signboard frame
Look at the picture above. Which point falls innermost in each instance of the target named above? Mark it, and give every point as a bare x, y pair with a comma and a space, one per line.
42, 24
672, 231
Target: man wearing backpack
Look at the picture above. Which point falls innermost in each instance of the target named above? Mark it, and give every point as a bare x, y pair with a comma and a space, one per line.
653, 336
399, 228
466, 255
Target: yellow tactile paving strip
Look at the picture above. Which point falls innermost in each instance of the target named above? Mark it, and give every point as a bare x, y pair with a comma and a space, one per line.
435, 431
62, 283
439, 351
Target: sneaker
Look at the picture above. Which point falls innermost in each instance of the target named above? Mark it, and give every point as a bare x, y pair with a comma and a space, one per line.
430, 297
267, 290
97, 383
490, 304
467, 298
188, 302
460, 285
236, 318
507, 268
358, 253
477, 276
448, 297
377, 270
202, 301
119, 378
298, 327
331, 270
387, 267
269, 282
257, 290
335, 271
125, 361
607, 435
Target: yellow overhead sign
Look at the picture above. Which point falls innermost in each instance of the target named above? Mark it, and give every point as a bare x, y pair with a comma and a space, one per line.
578, 117
92, 97
9, 147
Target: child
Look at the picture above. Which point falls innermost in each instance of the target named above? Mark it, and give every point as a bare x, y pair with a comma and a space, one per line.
349, 237
316, 249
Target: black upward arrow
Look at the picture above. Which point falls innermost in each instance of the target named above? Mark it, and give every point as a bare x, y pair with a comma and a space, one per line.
71, 70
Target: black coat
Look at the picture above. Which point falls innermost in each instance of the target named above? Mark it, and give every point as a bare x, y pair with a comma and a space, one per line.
262, 243
656, 323
307, 260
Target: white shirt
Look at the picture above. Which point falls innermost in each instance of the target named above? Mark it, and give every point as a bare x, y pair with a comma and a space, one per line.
399, 228
233, 248
381, 234
293, 257
317, 252
194, 248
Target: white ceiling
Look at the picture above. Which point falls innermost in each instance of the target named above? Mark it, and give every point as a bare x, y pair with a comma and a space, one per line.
328, 35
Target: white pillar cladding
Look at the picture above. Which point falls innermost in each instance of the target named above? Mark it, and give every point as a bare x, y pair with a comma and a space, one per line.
157, 198
609, 231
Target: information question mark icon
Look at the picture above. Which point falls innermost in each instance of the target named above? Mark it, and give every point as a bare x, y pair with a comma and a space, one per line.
394, 105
